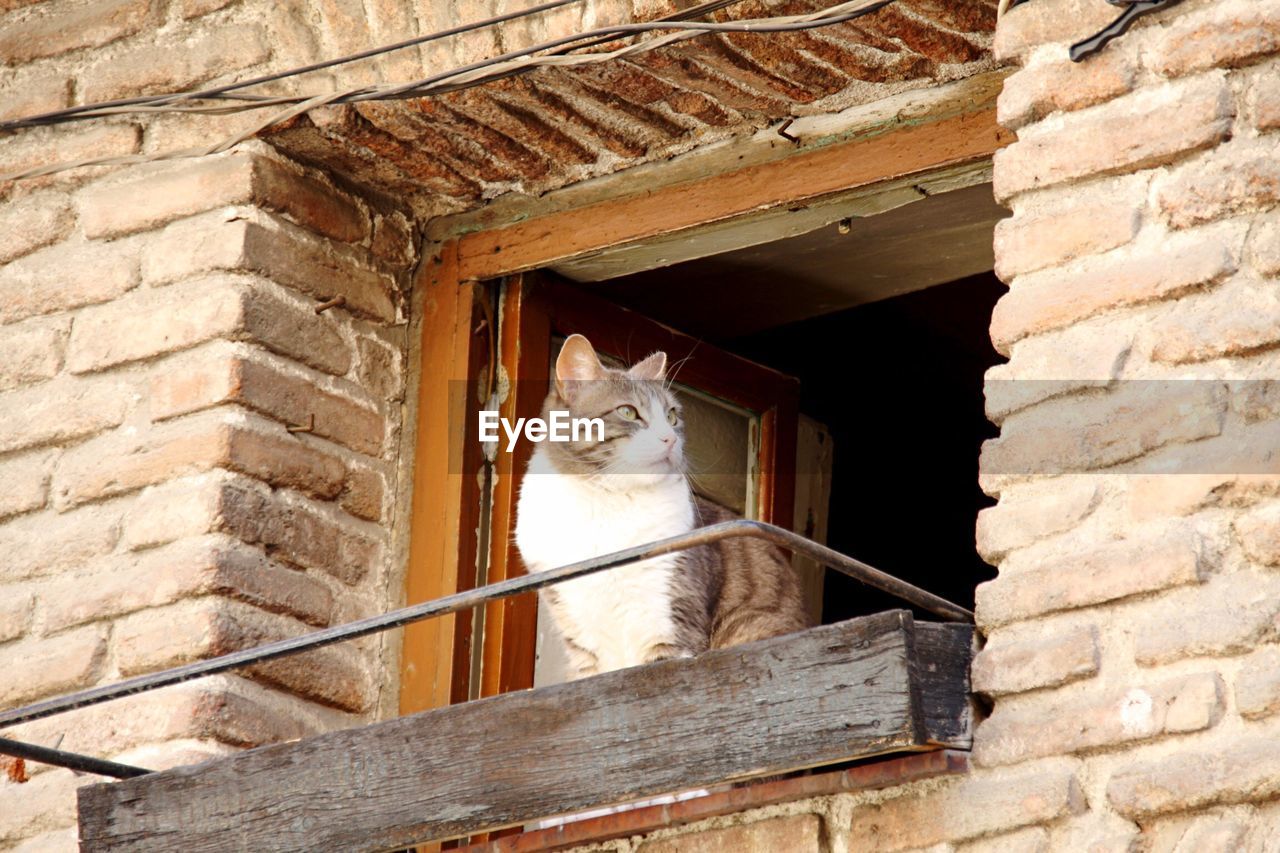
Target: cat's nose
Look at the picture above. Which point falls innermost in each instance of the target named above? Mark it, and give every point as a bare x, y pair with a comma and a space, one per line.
669, 440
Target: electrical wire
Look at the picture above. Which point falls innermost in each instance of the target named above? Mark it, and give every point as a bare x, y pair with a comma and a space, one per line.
73, 112
224, 92
474, 74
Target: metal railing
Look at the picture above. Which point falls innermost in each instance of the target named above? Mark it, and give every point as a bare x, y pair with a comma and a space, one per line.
440, 607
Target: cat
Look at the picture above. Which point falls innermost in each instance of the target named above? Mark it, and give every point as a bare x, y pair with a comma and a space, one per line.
581, 499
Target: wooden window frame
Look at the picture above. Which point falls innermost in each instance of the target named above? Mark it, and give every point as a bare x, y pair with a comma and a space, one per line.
535, 309
446, 501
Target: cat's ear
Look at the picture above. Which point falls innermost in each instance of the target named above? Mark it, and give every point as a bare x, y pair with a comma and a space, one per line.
577, 362
653, 367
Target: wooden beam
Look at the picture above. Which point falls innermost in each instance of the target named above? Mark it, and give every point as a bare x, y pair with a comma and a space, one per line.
825, 695
807, 175
435, 655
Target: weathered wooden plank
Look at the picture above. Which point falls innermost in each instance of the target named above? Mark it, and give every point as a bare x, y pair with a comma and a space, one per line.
942, 654
821, 696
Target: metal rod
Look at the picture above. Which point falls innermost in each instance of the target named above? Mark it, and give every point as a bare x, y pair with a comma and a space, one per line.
69, 760
481, 595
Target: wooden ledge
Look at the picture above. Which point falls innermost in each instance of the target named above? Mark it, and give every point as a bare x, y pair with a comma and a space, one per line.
866, 687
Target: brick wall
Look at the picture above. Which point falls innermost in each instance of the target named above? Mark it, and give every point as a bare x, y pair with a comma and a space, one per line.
160, 340
159, 343
1130, 656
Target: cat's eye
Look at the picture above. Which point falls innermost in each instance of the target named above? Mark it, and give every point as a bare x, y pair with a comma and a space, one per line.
672, 417
629, 413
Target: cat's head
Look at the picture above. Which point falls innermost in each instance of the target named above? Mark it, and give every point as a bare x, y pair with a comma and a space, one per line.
643, 428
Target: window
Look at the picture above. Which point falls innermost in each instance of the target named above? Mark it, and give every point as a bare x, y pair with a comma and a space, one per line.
778, 293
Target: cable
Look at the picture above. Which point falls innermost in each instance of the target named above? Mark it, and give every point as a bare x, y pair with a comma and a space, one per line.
51, 117
93, 110
473, 74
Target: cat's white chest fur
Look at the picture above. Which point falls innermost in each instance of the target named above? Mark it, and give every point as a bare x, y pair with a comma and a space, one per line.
619, 613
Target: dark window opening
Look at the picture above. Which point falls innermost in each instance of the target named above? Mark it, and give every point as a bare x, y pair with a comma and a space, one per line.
899, 385
898, 382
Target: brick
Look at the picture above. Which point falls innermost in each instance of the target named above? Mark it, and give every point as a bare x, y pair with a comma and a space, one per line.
32, 223
51, 665
30, 550
129, 461
277, 251
1259, 534
1093, 432
145, 201
16, 606
59, 411
308, 202
227, 709
45, 804
91, 25
297, 533
32, 351
1033, 840
159, 68
35, 150
1089, 355
294, 398
1210, 833
35, 95
1085, 835
1056, 726
192, 506
222, 377
1248, 770
173, 510
24, 483
1027, 514
119, 464
1263, 247
1232, 616
1257, 684
207, 565
1111, 572
381, 369
1230, 322
154, 322
183, 753
284, 323
799, 833
148, 201
62, 277
1150, 127
1062, 21
1060, 85
1255, 399
1030, 243
1154, 496
195, 8
59, 839
1225, 35
393, 239
1263, 99
189, 631
209, 375
1240, 177
948, 814
1053, 299
362, 494
1041, 661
